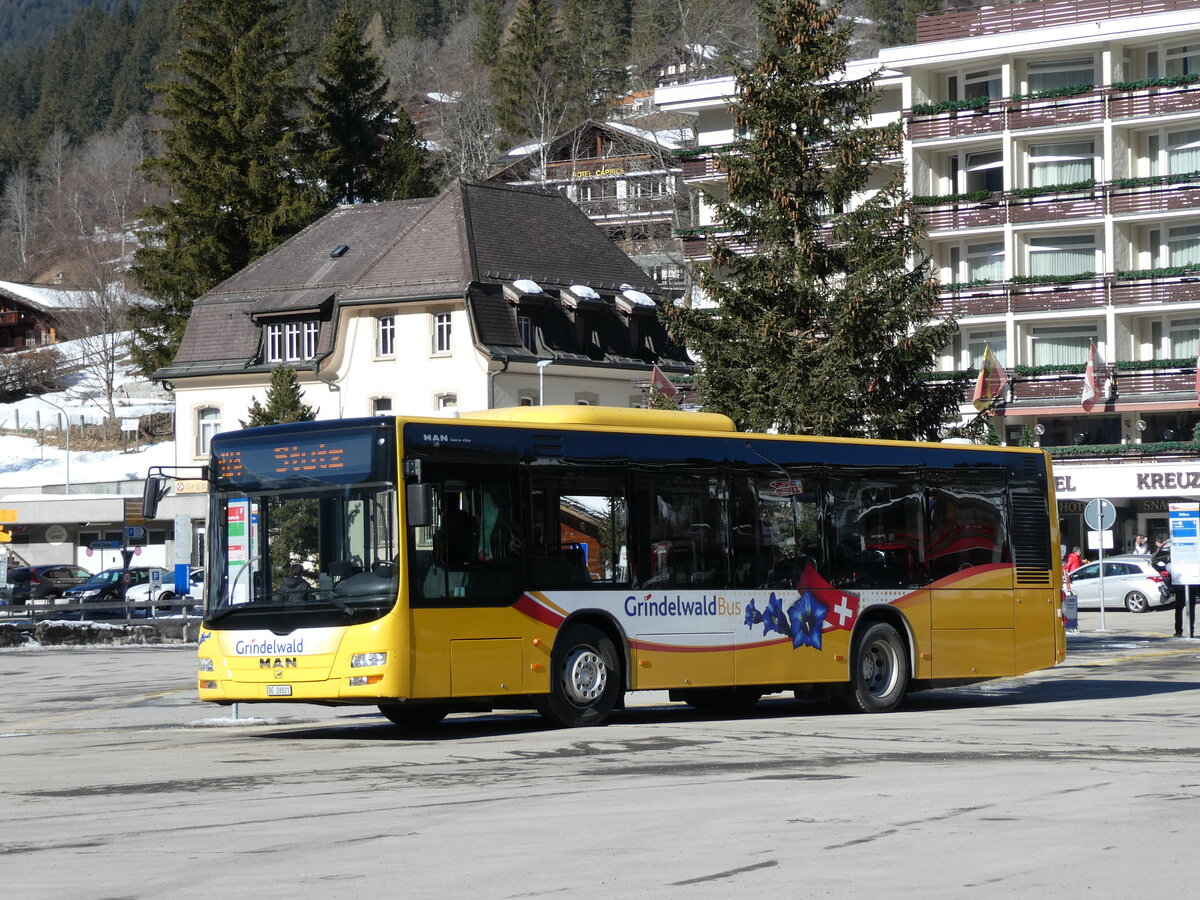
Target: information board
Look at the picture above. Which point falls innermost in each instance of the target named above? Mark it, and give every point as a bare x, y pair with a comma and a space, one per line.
1185, 542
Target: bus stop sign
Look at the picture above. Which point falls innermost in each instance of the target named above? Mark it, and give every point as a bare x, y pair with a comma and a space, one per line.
1100, 515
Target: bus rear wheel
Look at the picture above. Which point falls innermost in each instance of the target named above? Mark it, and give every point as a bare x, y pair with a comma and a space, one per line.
585, 678
414, 716
878, 670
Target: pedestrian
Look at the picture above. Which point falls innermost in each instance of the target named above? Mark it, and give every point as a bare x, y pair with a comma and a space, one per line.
1074, 560
1140, 546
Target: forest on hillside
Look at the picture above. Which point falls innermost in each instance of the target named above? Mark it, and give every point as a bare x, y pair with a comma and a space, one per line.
478, 76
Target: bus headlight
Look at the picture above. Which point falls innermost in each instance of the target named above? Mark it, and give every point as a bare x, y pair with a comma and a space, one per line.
206, 664
359, 660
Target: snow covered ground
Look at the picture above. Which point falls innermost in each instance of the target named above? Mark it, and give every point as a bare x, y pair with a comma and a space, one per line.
26, 463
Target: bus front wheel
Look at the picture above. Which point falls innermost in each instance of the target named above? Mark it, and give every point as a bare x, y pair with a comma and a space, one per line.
585, 678
878, 670
414, 716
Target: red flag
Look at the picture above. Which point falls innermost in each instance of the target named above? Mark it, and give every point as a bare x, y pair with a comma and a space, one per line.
663, 383
991, 381
1198, 375
1088, 398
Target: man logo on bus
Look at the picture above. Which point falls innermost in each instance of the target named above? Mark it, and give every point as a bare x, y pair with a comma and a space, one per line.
279, 662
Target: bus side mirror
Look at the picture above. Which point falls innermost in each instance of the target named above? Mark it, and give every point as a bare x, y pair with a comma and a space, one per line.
419, 503
151, 494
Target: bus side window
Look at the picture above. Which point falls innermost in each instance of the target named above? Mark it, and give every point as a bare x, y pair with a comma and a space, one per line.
578, 529
967, 525
876, 528
683, 536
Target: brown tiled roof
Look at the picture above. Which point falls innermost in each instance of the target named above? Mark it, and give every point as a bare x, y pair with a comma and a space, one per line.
463, 243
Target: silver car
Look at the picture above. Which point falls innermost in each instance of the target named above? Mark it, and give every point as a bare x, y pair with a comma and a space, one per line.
1129, 581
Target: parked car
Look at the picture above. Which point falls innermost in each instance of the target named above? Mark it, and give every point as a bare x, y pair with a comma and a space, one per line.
166, 594
40, 584
109, 586
1130, 581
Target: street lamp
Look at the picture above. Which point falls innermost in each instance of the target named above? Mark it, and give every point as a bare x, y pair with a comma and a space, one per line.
542, 363
66, 416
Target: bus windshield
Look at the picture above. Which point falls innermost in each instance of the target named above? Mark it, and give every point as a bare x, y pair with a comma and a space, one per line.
304, 527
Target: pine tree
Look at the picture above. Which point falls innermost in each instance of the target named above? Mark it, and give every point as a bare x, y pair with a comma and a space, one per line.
825, 328
361, 146
230, 97
592, 54
486, 46
526, 87
285, 402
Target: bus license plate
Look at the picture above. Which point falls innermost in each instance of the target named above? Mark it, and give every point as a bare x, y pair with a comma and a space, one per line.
279, 690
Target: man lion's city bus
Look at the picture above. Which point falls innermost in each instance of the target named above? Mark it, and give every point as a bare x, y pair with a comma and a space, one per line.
553, 558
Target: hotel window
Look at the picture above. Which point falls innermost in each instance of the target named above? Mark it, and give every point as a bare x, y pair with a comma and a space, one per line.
1062, 346
1067, 254
1172, 152
208, 423
381, 406
441, 332
1184, 338
977, 340
1182, 60
977, 262
1181, 247
291, 342
1049, 74
969, 85
446, 401
385, 336
1064, 163
982, 170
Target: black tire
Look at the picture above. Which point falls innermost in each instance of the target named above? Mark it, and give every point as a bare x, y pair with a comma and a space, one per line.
413, 716
878, 670
585, 678
727, 701
1136, 602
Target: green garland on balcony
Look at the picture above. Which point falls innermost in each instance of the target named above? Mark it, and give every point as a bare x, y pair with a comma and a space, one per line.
698, 231
1067, 90
942, 199
1143, 83
1155, 180
1129, 365
1164, 272
693, 152
1155, 449
1052, 279
968, 285
1086, 185
932, 109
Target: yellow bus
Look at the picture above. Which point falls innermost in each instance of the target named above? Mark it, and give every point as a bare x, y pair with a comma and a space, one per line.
554, 558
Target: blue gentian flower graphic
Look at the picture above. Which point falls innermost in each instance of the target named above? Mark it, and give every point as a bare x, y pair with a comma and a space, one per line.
773, 618
807, 618
753, 616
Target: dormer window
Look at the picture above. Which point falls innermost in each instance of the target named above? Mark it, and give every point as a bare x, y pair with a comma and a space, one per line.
290, 341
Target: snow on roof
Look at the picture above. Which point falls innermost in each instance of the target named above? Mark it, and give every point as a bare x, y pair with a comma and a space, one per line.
527, 286
637, 297
582, 290
668, 138
44, 295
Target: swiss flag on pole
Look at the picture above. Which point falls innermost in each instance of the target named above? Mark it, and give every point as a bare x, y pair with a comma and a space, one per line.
663, 383
991, 381
1198, 376
1088, 398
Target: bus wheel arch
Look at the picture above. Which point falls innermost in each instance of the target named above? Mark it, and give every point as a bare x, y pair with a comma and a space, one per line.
587, 672
881, 663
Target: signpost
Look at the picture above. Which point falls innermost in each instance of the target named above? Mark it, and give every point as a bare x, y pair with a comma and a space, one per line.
1100, 515
1185, 552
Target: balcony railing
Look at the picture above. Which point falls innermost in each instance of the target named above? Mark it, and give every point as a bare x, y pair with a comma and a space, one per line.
1026, 16
1093, 106
1128, 386
1097, 293
1103, 199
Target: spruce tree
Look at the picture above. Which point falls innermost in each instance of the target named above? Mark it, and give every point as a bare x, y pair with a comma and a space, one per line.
486, 47
829, 326
285, 402
360, 145
526, 88
592, 55
230, 98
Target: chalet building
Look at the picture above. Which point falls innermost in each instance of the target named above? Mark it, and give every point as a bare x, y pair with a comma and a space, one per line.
33, 315
1055, 149
485, 296
625, 179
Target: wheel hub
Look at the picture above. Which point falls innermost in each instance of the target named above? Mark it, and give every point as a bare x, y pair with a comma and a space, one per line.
585, 675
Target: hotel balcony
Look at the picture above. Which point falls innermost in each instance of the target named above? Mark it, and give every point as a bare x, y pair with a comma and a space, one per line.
1027, 16
1095, 293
